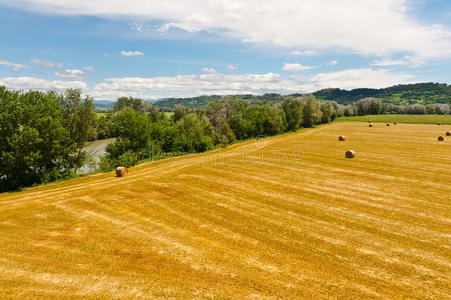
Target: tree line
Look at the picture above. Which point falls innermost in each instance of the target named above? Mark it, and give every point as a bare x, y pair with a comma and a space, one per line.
373, 106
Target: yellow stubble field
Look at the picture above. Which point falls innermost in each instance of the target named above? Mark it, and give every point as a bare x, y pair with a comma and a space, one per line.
284, 217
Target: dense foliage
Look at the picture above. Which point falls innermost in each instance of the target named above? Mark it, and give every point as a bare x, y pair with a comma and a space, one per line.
145, 133
42, 136
421, 93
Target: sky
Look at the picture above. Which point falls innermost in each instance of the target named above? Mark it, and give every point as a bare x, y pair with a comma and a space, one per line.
177, 48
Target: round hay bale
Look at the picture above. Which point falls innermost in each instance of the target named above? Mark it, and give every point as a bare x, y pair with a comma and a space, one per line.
448, 133
371, 125
350, 154
441, 138
341, 138
439, 123
395, 123
121, 172
388, 124
369, 121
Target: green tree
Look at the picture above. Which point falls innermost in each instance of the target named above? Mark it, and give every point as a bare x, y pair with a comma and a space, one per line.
294, 112
35, 146
79, 119
312, 112
134, 103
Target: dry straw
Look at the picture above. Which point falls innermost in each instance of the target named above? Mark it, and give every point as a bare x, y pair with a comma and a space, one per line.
350, 154
121, 172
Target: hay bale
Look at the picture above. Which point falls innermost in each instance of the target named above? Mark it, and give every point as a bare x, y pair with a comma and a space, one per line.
388, 124
448, 133
395, 123
439, 123
441, 138
371, 125
350, 154
121, 172
369, 121
341, 138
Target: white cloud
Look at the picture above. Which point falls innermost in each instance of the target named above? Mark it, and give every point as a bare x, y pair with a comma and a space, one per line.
219, 84
89, 69
389, 63
15, 67
295, 67
209, 70
304, 53
70, 74
332, 63
373, 27
226, 84
356, 78
231, 68
132, 53
46, 63
33, 83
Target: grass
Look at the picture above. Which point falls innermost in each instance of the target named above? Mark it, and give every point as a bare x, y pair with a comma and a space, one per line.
409, 119
287, 217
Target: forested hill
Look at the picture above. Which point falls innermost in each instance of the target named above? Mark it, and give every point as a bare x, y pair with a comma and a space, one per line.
197, 102
423, 93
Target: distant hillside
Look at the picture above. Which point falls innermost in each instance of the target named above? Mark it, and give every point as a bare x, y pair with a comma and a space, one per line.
104, 104
423, 93
201, 101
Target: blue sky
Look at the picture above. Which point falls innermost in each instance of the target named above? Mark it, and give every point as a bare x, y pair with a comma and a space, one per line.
154, 49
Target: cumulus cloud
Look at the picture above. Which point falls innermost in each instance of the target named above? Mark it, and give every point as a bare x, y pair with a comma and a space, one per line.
46, 63
89, 69
389, 63
70, 74
33, 83
373, 27
209, 70
226, 84
218, 84
332, 63
132, 53
295, 67
14, 66
361, 77
231, 68
304, 53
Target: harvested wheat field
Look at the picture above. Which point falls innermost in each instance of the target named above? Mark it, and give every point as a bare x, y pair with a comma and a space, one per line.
288, 217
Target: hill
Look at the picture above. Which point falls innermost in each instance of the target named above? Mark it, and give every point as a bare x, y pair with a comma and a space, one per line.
201, 101
424, 93
287, 217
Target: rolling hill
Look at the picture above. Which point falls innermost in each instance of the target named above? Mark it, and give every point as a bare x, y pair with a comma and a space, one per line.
285, 217
424, 93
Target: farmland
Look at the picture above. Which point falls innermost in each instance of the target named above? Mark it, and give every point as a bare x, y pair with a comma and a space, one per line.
287, 217
409, 119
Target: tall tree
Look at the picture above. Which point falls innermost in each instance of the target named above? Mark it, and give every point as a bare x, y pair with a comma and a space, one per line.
294, 112
79, 119
312, 112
